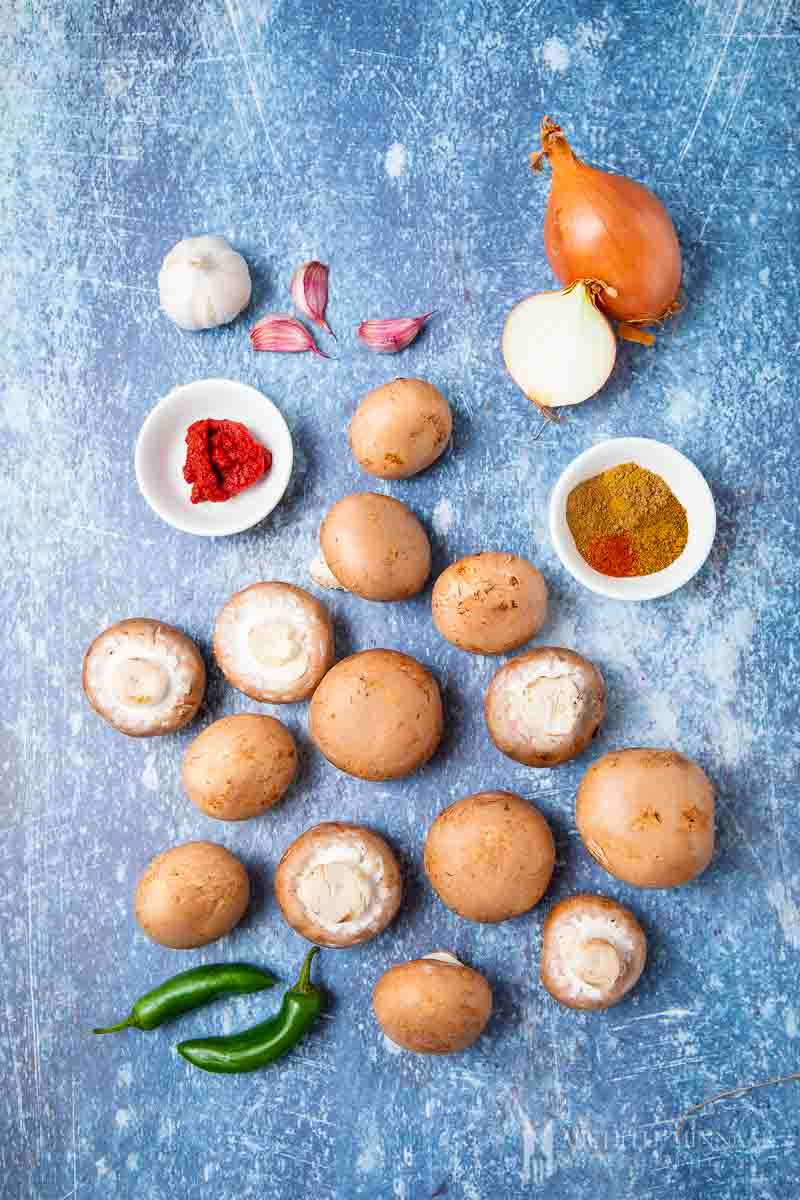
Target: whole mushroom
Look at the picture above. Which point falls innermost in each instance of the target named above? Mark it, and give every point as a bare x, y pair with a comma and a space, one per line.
377, 715
490, 857
544, 707
593, 952
338, 884
647, 816
375, 548
432, 1005
239, 766
144, 677
400, 428
191, 895
489, 603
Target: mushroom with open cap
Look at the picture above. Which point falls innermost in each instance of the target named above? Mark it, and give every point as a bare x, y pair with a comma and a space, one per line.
432, 1005
544, 707
374, 547
338, 884
647, 816
489, 603
377, 715
144, 677
593, 952
191, 895
239, 766
490, 856
274, 642
400, 428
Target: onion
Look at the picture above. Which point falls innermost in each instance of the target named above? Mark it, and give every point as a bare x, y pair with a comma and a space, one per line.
602, 226
558, 347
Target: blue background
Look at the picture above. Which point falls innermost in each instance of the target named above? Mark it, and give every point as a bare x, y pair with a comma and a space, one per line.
391, 140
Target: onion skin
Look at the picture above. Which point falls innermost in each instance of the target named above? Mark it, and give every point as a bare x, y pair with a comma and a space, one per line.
609, 227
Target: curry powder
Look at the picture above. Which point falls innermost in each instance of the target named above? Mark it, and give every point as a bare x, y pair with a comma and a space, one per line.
626, 521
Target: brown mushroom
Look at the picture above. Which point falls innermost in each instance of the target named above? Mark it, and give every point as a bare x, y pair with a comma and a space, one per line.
400, 428
432, 1005
593, 952
191, 895
375, 547
377, 715
338, 884
489, 603
239, 766
490, 856
647, 816
274, 642
144, 677
544, 707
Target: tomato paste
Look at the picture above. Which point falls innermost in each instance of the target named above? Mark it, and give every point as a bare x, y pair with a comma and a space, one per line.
222, 459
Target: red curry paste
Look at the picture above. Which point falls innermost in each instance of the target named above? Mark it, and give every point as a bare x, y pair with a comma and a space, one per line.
222, 459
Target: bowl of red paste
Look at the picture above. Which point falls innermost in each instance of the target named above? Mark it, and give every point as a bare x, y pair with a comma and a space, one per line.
214, 457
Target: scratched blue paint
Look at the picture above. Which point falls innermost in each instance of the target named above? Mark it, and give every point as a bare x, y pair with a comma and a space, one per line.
391, 140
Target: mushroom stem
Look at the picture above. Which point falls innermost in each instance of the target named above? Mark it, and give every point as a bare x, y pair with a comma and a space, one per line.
598, 963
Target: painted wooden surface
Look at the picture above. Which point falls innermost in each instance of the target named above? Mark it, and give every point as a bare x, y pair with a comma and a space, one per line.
391, 140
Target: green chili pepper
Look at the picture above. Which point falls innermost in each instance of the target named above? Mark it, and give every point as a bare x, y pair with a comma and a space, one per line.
191, 989
254, 1048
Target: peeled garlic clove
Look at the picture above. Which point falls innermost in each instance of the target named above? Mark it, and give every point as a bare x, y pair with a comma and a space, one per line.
309, 288
203, 282
391, 334
283, 334
558, 347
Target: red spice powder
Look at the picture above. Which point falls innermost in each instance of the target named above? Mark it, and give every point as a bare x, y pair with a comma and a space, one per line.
222, 459
612, 554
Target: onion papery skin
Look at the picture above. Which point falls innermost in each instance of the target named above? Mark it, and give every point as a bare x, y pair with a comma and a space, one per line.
609, 227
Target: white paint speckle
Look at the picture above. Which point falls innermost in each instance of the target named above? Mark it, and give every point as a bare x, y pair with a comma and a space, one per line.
102, 1167
149, 774
443, 517
120, 873
556, 55
123, 1118
790, 1021
682, 406
133, 1161
763, 276
125, 1074
16, 407
787, 911
396, 160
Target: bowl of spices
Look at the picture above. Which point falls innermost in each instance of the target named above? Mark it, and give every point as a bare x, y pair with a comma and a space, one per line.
213, 457
632, 518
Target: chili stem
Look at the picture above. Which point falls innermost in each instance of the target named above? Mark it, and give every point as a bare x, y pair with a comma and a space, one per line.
304, 978
128, 1023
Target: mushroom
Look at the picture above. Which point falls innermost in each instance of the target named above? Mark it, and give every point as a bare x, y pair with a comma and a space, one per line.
647, 816
239, 766
375, 547
191, 895
490, 856
144, 677
593, 952
544, 707
274, 642
432, 1005
400, 428
338, 884
377, 715
489, 603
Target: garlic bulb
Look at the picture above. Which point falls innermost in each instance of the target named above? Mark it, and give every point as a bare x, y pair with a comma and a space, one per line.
203, 283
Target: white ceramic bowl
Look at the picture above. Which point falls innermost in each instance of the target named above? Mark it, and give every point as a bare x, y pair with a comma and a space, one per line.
161, 453
687, 484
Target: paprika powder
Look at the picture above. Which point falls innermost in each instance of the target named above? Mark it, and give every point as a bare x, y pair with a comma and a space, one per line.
222, 459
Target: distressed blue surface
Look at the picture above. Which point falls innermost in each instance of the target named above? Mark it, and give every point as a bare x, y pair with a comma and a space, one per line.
391, 140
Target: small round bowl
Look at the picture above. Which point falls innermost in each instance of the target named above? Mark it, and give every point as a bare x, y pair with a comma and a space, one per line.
161, 453
688, 486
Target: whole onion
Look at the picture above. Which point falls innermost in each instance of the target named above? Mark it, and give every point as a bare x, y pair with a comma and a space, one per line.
604, 226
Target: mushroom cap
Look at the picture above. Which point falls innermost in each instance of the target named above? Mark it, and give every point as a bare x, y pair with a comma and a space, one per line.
432, 1006
647, 816
489, 603
144, 677
191, 895
490, 856
593, 952
400, 428
338, 884
544, 707
240, 766
376, 547
377, 715
274, 642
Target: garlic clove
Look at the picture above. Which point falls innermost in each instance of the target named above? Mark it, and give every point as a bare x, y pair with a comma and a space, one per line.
309, 289
283, 334
391, 334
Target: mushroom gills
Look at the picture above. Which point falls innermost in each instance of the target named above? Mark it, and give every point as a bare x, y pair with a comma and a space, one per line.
139, 682
593, 953
269, 643
342, 885
554, 705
